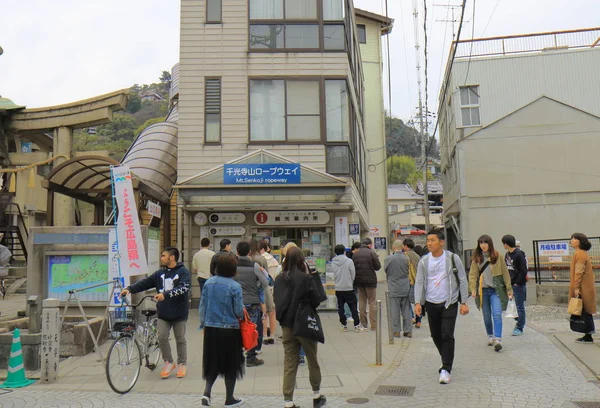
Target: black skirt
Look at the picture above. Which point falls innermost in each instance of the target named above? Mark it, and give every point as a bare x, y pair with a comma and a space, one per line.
222, 353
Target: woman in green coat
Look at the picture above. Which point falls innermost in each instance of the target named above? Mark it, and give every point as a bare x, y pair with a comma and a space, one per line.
489, 284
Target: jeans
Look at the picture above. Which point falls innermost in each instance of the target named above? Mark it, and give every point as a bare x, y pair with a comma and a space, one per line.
520, 292
255, 314
417, 318
291, 350
347, 298
201, 282
492, 311
400, 308
164, 327
367, 295
441, 325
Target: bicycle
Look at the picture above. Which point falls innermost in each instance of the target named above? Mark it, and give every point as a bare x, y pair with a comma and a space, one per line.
3, 274
134, 344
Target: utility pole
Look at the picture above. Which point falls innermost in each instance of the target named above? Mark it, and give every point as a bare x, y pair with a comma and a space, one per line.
422, 128
452, 7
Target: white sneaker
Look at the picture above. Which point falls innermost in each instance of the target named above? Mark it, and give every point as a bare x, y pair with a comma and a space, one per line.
444, 377
490, 341
498, 345
360, 328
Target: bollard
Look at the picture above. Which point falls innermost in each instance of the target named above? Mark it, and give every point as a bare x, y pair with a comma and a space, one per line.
50, 347
34, 312
389, 318
378, 336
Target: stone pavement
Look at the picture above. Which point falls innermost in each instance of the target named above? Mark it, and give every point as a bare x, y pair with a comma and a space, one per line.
534, 370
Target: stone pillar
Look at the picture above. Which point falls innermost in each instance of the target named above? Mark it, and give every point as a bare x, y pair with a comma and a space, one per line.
50, 340
64, 207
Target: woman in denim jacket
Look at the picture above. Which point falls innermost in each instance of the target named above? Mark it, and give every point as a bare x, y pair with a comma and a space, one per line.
221, 308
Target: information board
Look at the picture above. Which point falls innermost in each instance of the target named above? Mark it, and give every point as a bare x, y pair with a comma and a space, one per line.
66, 272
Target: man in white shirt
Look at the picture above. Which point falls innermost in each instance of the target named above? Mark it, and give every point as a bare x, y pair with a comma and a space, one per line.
441, 284
201, 263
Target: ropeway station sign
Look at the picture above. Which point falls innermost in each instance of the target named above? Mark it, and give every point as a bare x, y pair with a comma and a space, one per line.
261, 174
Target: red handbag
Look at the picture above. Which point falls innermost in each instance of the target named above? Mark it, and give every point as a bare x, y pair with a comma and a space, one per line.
249, 332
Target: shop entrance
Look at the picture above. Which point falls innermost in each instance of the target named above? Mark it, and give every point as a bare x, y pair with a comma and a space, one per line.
314, 242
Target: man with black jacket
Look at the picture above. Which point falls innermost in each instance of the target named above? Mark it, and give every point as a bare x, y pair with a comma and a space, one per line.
366, 264
225, 248
517, 268
250, 277
172, 284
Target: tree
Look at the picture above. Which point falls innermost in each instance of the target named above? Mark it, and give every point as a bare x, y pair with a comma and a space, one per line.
122, 127
399, 168
147, 123
404, 140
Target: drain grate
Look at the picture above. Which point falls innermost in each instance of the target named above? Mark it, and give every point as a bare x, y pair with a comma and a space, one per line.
357, 400
396, 391
587, 404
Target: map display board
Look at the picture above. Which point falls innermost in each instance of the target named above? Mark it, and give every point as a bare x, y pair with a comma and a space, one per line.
66, 272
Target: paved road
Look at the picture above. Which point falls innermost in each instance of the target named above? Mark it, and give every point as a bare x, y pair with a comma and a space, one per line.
534, 370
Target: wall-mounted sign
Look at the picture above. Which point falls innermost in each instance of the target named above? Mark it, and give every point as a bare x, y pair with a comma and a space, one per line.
154, 209
341, 231
226, 231
278, 173
227, 218
374, 230
380, 243
291, 217
200, 219
354, 229
554, 248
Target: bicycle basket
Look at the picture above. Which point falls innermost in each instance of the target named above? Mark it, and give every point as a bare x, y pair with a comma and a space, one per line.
122, 320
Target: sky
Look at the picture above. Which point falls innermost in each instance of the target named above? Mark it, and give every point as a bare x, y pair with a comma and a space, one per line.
62, 51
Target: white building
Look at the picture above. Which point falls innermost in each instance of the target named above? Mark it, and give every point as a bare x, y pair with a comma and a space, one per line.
519, 123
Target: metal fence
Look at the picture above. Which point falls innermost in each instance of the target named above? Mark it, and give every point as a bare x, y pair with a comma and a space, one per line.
552, 259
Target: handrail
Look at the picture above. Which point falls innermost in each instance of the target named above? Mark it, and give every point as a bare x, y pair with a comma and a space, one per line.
20, 217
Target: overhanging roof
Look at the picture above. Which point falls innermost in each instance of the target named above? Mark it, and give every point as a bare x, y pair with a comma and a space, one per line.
386, 23
214, 178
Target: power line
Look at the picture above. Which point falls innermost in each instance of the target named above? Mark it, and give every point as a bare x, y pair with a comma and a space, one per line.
472, 42
490, 19
455, 46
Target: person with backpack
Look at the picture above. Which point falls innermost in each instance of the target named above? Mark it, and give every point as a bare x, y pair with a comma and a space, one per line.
517, 268
489, 284
440, 286
344, 273
366, 263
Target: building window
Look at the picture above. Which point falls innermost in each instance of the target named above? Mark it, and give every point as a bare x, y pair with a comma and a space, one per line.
361, 31
212, 110
213, 11
469, 106
338, 111
392, 209
296, 25
285, 110
338, 160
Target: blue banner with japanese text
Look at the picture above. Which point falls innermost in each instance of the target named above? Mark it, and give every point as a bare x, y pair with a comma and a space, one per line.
279, 173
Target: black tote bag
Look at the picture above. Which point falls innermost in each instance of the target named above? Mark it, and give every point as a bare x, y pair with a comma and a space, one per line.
308, 323
582, 324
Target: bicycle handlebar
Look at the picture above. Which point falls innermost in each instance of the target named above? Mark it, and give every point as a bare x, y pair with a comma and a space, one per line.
125, 301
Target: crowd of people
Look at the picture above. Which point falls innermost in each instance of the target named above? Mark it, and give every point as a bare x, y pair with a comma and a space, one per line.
428, 281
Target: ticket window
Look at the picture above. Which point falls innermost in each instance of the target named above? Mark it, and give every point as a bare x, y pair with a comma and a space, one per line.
315, 242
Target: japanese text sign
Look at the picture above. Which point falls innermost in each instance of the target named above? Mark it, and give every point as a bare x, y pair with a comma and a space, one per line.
131, 247
279, 173
553, 248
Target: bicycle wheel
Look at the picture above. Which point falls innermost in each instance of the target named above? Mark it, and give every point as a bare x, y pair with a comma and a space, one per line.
123, 364
153, 350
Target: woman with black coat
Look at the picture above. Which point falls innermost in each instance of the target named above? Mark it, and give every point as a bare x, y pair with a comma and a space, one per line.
294, 285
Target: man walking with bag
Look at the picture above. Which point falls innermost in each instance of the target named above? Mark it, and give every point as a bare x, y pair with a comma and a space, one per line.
440, 286
517, 268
